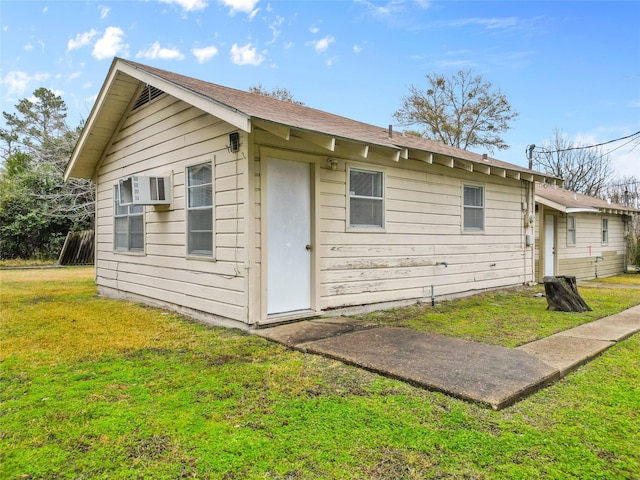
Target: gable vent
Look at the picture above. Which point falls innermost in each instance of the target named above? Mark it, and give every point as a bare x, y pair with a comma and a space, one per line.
148, 93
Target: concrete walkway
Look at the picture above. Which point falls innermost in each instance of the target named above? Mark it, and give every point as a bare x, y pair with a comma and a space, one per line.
496, 376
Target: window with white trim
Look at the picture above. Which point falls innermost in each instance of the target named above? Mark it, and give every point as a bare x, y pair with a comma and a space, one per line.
366, 199
605, 230
571, 230
473, 208
128, 226
199, 180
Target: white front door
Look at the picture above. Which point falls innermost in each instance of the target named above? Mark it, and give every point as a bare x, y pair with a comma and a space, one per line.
288, 236
549, 246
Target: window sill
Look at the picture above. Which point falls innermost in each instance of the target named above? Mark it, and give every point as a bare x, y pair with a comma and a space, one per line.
200, 258
366, 230
132, 253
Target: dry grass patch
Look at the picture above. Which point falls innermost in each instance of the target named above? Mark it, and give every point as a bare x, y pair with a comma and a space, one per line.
55, 316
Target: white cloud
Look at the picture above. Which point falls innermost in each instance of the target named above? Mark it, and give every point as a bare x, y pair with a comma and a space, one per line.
87, 85
81, 40
245, 55
204, 54
321, 45
16, 82
378, 9
488, 23
28, 47
253, 13
314, 29
244, 6
104, 11
155, 51
110, 44
274, 29
357, 49
45, 9
74, 75
188, 5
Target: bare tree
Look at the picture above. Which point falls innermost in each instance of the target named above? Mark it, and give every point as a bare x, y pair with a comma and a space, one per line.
625, 191
584, 169
279, 93
463, 111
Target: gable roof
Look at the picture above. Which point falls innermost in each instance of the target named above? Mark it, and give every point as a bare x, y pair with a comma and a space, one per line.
567, 201
247, 111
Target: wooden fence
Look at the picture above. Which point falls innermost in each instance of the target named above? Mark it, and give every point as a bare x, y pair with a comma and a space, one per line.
77, 249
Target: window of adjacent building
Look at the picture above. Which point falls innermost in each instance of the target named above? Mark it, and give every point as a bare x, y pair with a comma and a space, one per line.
200, 210
571, 230
605, 230
366, 199
128, 221
473, 208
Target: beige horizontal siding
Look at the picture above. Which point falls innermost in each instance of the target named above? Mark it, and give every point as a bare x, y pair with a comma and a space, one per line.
161, 138
423, 214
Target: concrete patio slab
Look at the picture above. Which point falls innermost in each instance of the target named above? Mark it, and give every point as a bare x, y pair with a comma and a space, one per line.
297, 334
495, 376
473, 371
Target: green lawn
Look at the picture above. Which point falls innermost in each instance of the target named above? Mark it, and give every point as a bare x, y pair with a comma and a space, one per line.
623, 279
98, 388
508, 318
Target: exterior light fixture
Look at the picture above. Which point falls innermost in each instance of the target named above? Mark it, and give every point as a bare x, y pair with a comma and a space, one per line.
333, 163
234, 142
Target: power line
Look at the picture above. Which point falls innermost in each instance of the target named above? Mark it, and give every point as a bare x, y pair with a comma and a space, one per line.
538, 150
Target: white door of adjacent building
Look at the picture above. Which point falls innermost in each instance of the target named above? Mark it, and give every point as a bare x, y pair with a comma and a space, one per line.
288, 236
549, 245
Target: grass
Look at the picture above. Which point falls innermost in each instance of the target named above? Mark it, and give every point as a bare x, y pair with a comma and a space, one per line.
507, 318
624, 279
21, 263
98, 388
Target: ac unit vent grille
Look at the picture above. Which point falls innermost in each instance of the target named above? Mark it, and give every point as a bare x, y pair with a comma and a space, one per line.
144, 190
148, 93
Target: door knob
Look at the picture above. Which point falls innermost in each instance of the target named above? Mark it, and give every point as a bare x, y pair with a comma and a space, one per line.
308, 247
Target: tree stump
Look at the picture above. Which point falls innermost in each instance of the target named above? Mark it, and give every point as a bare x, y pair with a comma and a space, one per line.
562, 295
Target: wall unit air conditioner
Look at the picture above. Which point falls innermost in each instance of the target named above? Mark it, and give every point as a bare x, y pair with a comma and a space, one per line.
144, 190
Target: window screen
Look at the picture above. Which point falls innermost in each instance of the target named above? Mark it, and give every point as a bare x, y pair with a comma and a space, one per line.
128, 224
366, 199
571, 230
473, 208
200, 210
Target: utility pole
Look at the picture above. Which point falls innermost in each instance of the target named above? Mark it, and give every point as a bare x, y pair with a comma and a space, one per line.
530, 155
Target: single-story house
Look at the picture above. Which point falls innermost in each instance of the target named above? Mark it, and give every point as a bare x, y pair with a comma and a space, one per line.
243, 210
579, 235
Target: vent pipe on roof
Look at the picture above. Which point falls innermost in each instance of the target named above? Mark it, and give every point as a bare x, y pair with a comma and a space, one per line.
390, 131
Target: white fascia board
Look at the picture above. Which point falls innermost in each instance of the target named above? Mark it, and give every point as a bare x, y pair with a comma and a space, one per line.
97, 107
550, 204
582, 210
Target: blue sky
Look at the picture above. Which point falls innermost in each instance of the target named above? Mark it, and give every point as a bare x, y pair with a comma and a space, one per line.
574, 66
